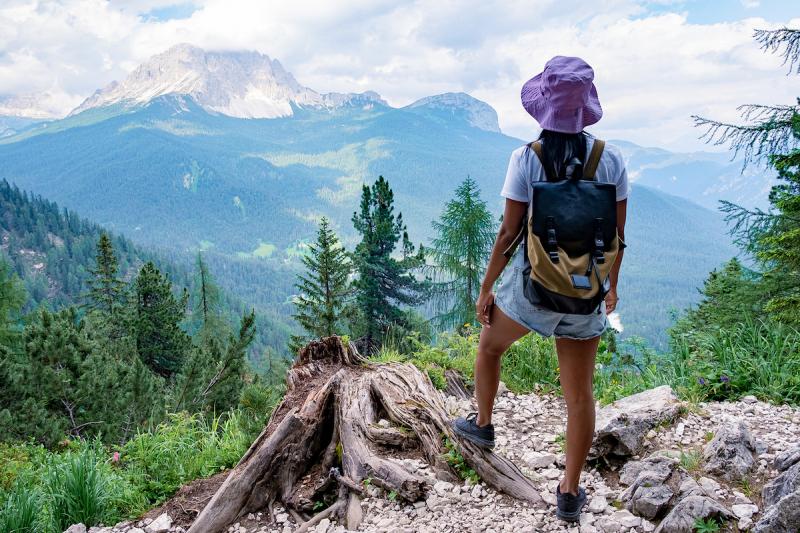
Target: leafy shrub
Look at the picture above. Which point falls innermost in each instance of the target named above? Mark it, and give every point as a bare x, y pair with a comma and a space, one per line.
458, 463
256, 404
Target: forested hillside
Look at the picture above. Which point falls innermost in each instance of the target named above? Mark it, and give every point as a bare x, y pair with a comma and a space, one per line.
53, 250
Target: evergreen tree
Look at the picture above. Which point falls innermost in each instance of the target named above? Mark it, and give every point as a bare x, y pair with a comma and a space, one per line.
772, 135
12, 298
465, 236
160, 341
213, 376
384, 282
207, 297
324, 287
42, 381
105, 289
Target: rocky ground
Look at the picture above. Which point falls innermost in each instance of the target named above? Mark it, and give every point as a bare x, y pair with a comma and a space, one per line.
667, 464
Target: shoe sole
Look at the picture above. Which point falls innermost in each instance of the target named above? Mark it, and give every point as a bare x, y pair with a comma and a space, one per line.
483, 443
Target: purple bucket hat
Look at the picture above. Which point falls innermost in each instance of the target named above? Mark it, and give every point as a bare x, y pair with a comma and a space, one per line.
563, 97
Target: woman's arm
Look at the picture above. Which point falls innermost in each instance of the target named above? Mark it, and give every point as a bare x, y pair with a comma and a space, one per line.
611, 297
512, 222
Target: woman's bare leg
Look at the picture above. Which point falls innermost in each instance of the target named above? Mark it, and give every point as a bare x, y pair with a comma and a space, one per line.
494, 341
576, 361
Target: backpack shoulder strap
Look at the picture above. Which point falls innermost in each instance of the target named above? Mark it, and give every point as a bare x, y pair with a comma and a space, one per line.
590, 168
536, 146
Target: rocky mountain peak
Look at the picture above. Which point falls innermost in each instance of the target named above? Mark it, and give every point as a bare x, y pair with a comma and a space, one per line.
244, 84
479, 113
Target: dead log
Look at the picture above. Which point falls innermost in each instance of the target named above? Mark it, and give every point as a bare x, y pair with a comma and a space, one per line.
325, 434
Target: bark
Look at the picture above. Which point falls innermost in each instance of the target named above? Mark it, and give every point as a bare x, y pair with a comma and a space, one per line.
323, 441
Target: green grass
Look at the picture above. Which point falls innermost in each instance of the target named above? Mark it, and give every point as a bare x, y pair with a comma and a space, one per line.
752, 357
691, 460
45, 491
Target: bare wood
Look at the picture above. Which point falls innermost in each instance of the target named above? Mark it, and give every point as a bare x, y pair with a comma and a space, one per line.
328, 418
317, 518
354, 515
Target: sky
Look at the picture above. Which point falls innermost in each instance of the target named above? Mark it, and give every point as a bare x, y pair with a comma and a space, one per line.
656, 62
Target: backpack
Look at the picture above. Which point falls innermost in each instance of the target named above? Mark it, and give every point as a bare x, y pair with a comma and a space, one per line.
570, 237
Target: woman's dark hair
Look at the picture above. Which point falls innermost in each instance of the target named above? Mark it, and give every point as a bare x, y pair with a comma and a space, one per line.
558, 148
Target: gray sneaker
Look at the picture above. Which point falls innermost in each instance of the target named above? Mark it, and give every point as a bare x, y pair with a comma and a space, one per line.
469, 429
569, 506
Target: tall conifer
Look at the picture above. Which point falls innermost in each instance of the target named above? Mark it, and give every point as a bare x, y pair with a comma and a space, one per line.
324, 287
384, 282
105, 289
465, 236
160, 341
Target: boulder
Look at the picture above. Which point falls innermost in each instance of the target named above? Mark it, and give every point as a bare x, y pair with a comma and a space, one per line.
783, 485
658, 466
682, 517
786, 459
76, 528
623, 425
731, 453
650, 502
783, 517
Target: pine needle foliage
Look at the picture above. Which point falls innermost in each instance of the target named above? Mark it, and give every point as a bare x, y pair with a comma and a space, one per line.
384, 281
324, 287
465, 236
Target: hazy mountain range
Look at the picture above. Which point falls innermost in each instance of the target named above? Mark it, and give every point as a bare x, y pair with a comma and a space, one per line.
226, 151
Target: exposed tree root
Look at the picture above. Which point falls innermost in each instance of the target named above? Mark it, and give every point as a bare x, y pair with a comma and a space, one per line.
324, 440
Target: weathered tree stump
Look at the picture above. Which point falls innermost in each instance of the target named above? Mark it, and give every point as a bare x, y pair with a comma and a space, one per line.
324, 440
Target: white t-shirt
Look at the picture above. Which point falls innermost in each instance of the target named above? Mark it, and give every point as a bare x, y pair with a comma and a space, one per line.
524, 168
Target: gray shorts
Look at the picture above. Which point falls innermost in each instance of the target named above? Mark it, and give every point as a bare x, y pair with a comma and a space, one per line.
512, 301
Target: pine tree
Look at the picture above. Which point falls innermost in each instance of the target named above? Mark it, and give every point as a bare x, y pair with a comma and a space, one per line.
213, 376
105, 289
207, 316
160, 341
771, 135
324, 288
12, 298
384, 282
465, 236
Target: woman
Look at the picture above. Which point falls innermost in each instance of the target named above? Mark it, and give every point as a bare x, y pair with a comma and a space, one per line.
563, 99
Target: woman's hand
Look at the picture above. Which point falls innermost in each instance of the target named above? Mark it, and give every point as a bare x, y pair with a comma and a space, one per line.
611, 301
483, 307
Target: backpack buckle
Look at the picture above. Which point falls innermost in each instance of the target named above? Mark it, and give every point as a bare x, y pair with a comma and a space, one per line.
599, 243
552, 242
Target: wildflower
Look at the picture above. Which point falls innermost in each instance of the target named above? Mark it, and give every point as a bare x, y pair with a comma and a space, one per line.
725, 379
701, 381
115, 457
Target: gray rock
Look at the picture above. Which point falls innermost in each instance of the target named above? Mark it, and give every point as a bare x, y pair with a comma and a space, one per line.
783, 517
623, 425
731, 453
160, 525
76, 528
659, 468
745, 510
783, 485
690, 487
650, 502
786, 459
682, 517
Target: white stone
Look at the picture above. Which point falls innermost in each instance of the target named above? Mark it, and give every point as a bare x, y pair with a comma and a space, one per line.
598, 504
160, 524
383, 423
443, 488
76, 528
744, 510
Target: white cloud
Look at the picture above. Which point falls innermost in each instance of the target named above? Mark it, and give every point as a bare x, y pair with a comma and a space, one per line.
653, 71
751, 4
